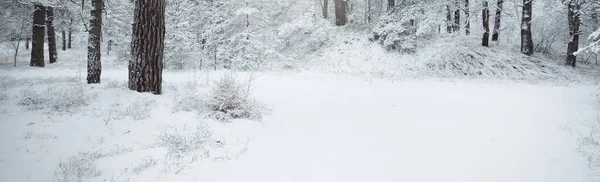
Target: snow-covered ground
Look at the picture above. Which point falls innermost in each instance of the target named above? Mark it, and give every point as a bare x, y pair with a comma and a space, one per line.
321, 127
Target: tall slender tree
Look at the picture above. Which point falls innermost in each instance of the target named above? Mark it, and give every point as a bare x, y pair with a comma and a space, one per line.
37, 42
468, 18
341, 17
574, 19
456, 16
64, 40
486, 23
94, 66
526, 38
497, 19
146, 64
70, 30
325, 8
448, 19
52, 55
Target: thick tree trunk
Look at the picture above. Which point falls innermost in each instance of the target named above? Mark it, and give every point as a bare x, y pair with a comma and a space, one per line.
391, 4
94, 66
574, 24
448, 19
486, 24
64, 40
52, 55
340, 12
146, 64
496, 32
457, 16
37, 42
325, 9
468, 17
526, 38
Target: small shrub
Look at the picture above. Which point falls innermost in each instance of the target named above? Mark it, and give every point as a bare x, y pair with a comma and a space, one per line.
185, 145
140, 108
229, 99
77, 168
60, 99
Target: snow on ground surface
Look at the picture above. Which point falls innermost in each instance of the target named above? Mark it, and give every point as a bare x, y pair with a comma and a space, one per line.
322, 127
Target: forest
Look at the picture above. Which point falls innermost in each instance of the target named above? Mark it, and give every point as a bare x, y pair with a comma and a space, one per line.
299, 90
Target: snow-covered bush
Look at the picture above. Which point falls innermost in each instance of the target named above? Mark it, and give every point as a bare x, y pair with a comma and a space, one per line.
188, 99
394, 34
185, 144
230, 99
140, 109
56, 99
83, 166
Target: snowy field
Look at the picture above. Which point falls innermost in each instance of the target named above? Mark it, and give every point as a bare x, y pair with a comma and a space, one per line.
316, 126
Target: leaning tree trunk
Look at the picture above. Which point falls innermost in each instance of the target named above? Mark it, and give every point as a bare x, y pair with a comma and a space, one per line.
340, 12
146, 64
64, 41
468, 17
51, 34
448, 19
325, 8
94, 66
526, 38
496, 32
457, 16
574, 23
486, 24
37, 42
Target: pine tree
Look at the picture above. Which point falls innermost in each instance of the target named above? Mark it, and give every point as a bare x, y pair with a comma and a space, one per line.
574, 24
456, 16
340, 12
94, 66
467, 16
486, 23
496, 32
37, 42
526, 38
51, 34
146, 64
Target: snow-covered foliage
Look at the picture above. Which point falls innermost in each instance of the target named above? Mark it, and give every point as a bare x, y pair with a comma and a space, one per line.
594, 47
230, 99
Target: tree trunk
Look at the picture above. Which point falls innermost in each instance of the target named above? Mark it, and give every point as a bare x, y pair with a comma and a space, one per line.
574, 23
109, 47
340, 12
391, 4
486, 24
448, 19
325, 8
457, 16
64, 41
27, 42
52, 55
94, 66
146, 64
496, 32
526, 38
37, 42
69, 39
468, 17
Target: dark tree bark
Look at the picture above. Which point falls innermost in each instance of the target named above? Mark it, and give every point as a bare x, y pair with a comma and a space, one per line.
94, 66
69, 39
52, 55
497, 19
457, 16
391, 5
526, 38
146, 64
574, 24
37, 42
448, 19
340, 12
27, 42
64, 40
468, 17
70, 30
109, 47
486, 24
325, 9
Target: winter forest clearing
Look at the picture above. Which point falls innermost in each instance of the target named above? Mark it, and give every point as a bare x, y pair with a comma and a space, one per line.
311, 90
